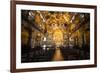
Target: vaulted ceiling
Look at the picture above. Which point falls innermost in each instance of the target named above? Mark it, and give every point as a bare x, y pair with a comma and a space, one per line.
70, 24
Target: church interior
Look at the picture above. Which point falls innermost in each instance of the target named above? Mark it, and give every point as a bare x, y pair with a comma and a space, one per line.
54, 36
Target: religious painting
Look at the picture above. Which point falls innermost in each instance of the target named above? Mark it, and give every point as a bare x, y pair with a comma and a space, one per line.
54, 36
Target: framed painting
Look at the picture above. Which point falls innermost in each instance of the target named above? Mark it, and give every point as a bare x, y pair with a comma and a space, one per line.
52, 36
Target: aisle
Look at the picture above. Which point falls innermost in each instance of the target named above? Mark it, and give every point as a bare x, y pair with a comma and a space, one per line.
58, 55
